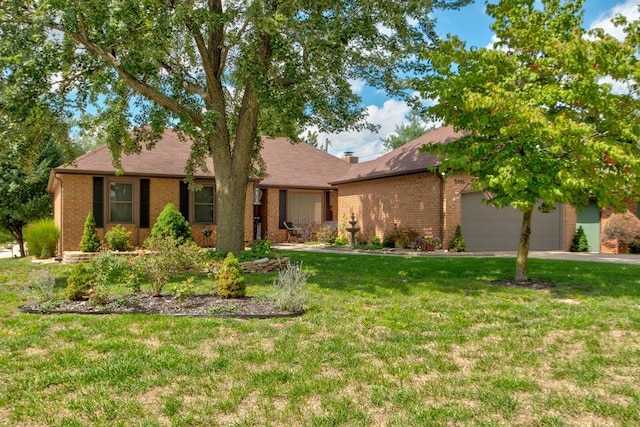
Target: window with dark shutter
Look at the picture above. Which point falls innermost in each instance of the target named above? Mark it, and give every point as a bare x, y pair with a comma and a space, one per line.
98, 201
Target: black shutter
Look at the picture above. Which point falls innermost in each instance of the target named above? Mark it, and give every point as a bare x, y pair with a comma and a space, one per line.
184, 200
98, 201
283, 209
144, 203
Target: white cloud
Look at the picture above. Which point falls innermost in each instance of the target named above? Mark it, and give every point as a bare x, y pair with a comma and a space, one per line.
365, 144
357, 85
629, 9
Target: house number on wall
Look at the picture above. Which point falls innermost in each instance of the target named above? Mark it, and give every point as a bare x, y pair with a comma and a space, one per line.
459, 181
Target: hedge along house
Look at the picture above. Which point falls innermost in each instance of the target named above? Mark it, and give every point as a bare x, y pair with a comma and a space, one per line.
401, 189
295, 188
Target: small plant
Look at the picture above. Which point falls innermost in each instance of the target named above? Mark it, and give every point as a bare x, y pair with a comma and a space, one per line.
579, 242
171, 223
165, 258
327, 234
223, 309
98, 295
362, 239
290, 288
41, 286
457, 243
376, 242
79, 281
90, 241
184, 290
118, 238
42, 238
341, 241
230, 283
260, 249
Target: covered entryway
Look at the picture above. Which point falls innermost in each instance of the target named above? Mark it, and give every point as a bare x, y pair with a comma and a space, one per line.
486, 228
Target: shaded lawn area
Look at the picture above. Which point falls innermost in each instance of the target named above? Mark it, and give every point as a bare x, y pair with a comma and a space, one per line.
387, 341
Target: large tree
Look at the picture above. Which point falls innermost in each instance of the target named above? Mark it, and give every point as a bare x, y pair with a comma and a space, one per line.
221, 72
543, 119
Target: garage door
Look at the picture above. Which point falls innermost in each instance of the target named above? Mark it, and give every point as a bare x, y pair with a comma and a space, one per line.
486, 228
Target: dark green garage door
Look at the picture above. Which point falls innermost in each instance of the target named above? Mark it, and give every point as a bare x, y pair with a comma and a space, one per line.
486, 228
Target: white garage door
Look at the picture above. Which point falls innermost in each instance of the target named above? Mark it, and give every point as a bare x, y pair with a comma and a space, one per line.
486, 228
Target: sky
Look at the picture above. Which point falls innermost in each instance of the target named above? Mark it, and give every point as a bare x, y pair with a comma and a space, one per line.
470, 24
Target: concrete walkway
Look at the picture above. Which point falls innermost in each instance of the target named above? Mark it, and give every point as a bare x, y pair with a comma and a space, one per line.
557, 255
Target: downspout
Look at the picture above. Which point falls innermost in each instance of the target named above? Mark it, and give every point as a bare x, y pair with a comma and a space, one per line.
442, 210
61, 241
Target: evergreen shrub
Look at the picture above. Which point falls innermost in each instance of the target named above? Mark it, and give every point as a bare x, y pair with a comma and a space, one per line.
579, 242
457, 243
90, 241
118, 238
230, 283
171, 223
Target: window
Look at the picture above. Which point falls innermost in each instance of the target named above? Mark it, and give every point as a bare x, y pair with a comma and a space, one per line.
204, 205
121, 202
304, 207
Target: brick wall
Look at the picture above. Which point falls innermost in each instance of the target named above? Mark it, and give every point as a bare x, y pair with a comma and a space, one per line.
76, 204
406, 201
570, 222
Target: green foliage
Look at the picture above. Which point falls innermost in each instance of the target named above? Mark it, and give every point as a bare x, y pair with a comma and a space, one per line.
290, 288
405, 132
400, 237
185, 289
171, 223
118, 238
5, 237
230, 278
259, 249
327, 234
540, 122
361, 239
166, 257
457, 243
341, 241
90, 241
579, 242
79, 281
42, 238
376, 242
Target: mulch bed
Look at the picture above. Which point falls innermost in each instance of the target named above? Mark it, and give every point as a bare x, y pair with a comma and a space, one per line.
531, 283
204, 305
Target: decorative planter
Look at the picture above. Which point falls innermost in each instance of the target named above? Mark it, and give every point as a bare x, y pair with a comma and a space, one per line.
427, 247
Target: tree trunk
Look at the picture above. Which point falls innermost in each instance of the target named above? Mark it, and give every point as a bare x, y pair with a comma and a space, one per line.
230, 204
523, 247
16, 232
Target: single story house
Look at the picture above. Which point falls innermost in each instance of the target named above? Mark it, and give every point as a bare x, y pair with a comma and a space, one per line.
295, 188
306, 186
400, 189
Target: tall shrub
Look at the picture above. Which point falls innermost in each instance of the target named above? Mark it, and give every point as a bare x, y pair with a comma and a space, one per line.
624, 227
579, 242
457, 242
90, 241
42, 238
171, 223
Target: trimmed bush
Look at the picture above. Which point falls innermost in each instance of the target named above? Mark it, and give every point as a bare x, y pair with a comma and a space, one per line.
625, 228
579, 242
118, 238
90, 241
259, 249
230, 282
42, 238
79, 281
171, 223
457, 243
402, 237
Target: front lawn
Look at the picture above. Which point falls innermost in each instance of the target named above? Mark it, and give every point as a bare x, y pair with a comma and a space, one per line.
387, 341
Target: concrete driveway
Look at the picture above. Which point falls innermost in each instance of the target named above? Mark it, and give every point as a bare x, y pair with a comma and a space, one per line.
9, 253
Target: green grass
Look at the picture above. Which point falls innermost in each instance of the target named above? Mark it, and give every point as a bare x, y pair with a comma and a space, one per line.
387, 341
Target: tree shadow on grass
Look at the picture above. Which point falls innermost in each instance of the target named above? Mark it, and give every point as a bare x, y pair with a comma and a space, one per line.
469, 275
